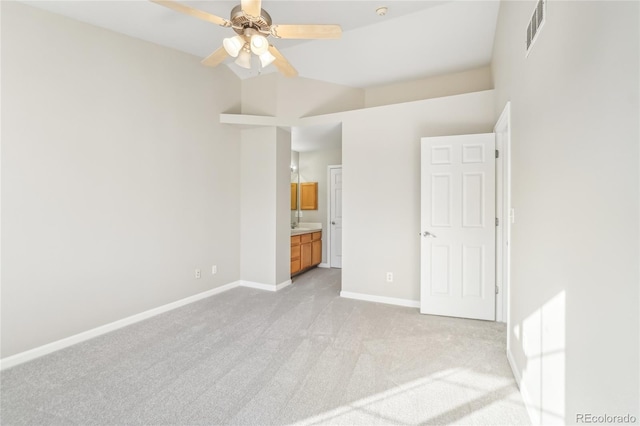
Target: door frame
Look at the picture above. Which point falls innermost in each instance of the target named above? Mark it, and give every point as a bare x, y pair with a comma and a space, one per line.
503, 214
329, 168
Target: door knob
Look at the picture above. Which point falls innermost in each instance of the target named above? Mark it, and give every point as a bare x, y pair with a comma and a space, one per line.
428, 234
333, 222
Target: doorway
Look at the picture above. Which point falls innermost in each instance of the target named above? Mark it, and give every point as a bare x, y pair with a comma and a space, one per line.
334, 237
316, 148
466, 200
504, 213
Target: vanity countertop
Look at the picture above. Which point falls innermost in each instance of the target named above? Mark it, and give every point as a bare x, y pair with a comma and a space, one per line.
306, 228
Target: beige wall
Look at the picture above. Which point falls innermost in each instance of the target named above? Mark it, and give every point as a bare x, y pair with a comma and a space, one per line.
313, 168
574, 322
258, 205
117, 183
278, 96
275, 95
303, 97
260, 95
474, 80
265, 228
381, 186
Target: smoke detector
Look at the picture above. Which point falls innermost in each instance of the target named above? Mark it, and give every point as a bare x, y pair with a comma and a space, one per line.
381, 11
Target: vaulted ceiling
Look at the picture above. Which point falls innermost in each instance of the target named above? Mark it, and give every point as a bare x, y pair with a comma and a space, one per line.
415, 39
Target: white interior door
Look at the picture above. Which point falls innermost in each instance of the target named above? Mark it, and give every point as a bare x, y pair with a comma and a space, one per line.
458, 226
335, 217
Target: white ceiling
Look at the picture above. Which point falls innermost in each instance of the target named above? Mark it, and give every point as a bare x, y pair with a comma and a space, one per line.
415, 39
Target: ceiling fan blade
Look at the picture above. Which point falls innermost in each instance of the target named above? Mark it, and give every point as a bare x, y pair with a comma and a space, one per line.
215, 58
282, 64
307, 31
252, 7
182, 8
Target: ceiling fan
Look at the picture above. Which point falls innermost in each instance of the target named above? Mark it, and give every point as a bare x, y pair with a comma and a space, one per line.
253, 25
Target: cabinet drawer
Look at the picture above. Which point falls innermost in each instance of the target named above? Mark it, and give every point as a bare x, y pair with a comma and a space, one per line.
317, 236
295, 240
306, 238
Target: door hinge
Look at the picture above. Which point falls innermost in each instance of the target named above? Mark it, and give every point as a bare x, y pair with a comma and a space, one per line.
497, 221
497, 154
497, 290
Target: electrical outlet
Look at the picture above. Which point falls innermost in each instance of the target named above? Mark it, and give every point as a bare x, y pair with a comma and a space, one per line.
214, 269
197, 273
389, 277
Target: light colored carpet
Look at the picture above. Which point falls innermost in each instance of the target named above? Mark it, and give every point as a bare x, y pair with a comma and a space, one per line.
302, 355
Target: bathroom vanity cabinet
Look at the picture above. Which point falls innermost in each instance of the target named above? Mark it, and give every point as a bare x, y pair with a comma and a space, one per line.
306, 251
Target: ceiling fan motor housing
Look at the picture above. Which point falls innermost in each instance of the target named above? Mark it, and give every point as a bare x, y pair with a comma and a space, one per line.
241, 21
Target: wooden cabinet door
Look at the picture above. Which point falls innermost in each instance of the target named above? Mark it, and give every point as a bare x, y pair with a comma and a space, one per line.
305, 255
295, 266
309, 196
316, 252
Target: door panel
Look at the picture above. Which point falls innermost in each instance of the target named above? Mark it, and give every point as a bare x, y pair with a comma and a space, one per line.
440, 271
441, 200
458, 224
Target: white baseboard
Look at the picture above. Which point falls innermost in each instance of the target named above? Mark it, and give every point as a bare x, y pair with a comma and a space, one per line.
266, 287
324, 265
259, 286
34, 353
283, 284
381, 299
532, 411
514, 369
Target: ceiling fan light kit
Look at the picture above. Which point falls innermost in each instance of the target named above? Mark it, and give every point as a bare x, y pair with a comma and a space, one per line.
266, 59
253, 25
244, 59
259, 44
233, 45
